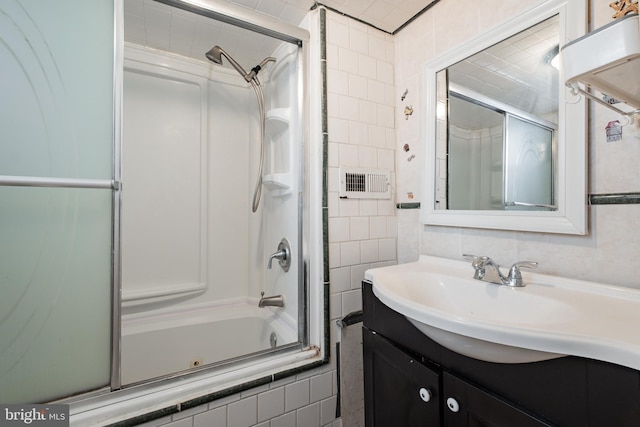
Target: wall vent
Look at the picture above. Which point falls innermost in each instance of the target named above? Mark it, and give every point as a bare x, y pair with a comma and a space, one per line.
358, 183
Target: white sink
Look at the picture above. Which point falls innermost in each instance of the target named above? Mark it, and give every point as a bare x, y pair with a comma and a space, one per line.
550, 317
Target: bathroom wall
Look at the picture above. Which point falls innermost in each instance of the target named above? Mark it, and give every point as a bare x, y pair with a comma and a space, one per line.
362, 233
361, 102
607, 253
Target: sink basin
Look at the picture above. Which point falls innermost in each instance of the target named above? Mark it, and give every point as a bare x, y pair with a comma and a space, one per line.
550, 317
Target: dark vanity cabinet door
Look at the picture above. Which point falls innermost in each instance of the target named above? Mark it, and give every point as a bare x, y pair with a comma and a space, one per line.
469, 406
402, 392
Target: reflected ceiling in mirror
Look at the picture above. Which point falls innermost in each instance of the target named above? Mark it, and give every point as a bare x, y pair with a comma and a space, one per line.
518, 71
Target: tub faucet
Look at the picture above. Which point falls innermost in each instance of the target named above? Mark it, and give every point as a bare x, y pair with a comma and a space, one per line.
272, 301
488, 271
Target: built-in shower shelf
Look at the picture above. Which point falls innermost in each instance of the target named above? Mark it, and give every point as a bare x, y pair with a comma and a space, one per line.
279, 114
278, 183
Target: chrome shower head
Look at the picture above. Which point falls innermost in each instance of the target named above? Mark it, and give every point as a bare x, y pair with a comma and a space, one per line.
215, 55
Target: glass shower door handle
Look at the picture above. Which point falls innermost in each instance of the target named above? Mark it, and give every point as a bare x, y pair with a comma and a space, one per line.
283, 255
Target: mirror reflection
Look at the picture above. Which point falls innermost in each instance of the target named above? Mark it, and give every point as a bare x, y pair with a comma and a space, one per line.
496, 126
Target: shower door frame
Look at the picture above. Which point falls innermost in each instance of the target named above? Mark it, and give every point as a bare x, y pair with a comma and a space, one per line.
225, 13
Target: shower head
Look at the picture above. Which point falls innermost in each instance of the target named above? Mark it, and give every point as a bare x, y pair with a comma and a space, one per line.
215, 55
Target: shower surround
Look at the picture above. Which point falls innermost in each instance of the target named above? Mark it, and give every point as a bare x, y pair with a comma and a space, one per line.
190, 241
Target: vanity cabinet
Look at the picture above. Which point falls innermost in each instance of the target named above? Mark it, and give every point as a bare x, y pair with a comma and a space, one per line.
402, 391
468, 405
411, 380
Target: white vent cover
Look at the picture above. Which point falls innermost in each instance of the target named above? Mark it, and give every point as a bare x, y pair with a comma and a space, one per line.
358, 183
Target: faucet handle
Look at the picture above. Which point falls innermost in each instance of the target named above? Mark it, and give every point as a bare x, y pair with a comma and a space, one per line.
476, 260
283, 254
515, 277
470, 257
525, 264
478, 263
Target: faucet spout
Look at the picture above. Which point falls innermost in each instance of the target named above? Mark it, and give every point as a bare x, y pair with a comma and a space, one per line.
488, 271
272, 301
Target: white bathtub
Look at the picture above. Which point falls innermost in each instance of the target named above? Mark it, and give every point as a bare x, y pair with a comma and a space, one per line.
154, 345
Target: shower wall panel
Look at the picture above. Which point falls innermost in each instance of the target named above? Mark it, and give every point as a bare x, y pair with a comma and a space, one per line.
162, 190
232, 159
186, 184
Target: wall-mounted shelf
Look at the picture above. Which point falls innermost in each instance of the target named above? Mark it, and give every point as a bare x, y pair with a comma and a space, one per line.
278, 183
607, 59
278, 177
279, 114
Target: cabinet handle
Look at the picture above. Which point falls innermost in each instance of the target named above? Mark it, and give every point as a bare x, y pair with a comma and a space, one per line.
425, 394
453, 405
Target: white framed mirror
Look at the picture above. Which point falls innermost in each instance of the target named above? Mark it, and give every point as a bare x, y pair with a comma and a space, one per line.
505, 139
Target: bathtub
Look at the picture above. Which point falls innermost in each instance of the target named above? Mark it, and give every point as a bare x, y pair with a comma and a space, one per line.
159, 344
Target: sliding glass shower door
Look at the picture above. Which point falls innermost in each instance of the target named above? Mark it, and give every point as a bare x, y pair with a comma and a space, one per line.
56, 197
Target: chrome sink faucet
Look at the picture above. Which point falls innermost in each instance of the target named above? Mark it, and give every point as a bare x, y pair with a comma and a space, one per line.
488, 271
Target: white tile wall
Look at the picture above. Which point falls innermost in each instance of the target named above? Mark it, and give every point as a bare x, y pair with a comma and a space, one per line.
361, 109
306, 400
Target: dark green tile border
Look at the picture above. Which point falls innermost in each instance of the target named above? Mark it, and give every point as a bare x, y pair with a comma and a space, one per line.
325, 185
408, 205
594, 199
174, 409
614, 199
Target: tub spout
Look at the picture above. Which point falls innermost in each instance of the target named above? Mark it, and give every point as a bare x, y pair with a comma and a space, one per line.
272, 301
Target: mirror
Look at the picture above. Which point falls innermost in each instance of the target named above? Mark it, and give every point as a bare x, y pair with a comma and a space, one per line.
498, 132
508, 138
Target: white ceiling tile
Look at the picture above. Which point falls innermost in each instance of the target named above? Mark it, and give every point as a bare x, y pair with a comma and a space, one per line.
293, 14
395, 18
134, 29
376, 12
247, 3
150, 23
271, 7
182, 33
133, 7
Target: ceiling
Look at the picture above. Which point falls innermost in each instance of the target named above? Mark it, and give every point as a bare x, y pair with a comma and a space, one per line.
387, 15
156, 25
159, 26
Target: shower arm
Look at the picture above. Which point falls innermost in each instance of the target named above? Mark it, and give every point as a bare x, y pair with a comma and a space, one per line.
253, 74
237, 66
